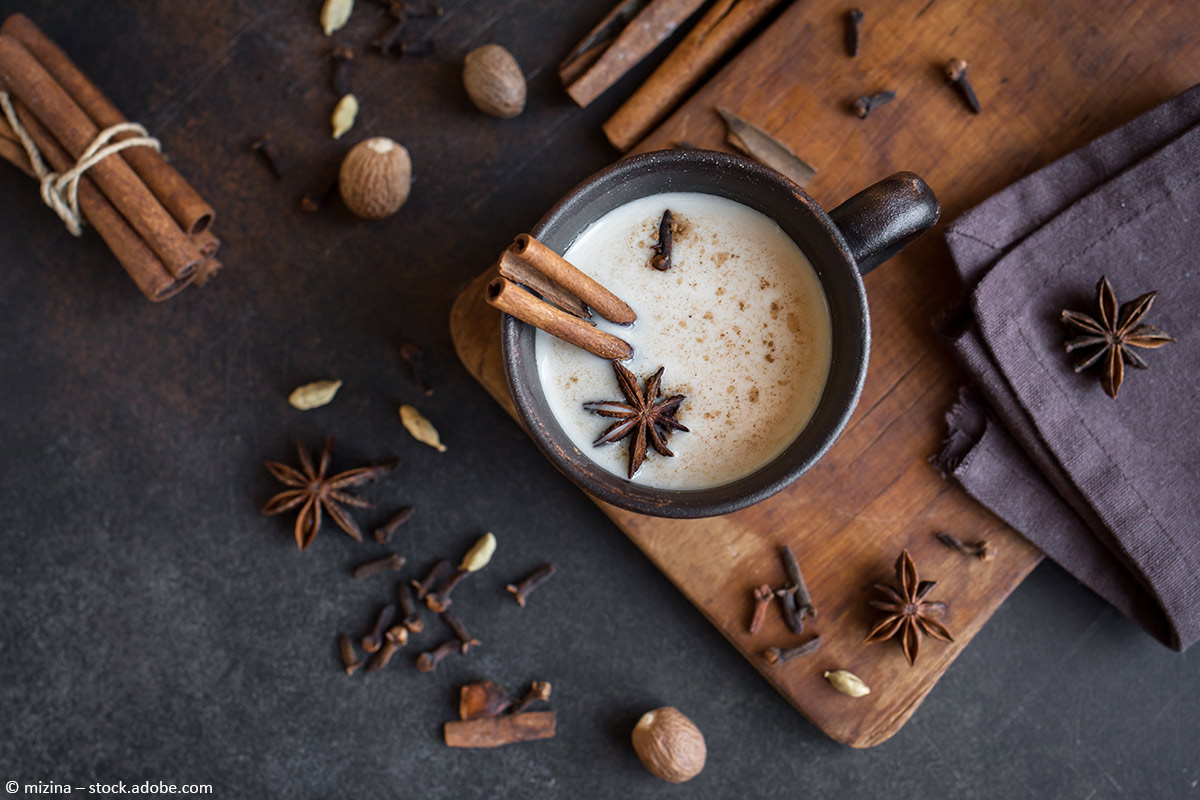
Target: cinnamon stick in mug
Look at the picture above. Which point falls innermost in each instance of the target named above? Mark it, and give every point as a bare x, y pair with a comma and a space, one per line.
189, 209
142, 264
549, 263
512, 299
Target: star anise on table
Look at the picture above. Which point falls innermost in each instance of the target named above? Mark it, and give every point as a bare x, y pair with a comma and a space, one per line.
909, 614
1108, 340
313, 491
646, 415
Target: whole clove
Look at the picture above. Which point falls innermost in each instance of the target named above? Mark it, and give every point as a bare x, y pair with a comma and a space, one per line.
482, 698
311, 202
980, 549
377, 566
341, 58
439, 601
398, 634
867, 103
797, 603
854, 18
391, 644
535, 579
661, 260
775, 655
428, 661
439, 570
956, 74
411, 619
383, 620
460, 630
412, 354
538, 691
421, 48
266, 148
349, 657
762, 599
385, 531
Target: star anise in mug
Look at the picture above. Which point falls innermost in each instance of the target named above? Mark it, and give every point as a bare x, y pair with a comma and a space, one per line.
313, 491
645, 414
909, 614
1108, 340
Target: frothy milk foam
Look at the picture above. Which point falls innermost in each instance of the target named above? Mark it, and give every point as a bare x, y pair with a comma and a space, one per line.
739, 321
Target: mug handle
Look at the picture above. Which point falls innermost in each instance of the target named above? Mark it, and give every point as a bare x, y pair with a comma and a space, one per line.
884, 218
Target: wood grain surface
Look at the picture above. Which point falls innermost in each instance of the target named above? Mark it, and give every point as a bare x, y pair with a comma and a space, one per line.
1048, 84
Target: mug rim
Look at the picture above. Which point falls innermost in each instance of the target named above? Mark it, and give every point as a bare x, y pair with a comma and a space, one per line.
616, 489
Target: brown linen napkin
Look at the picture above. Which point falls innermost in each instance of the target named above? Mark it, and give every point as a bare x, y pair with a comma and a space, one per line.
1110, 489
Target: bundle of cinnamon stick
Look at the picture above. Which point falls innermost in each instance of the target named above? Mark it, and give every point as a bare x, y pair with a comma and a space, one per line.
151, 218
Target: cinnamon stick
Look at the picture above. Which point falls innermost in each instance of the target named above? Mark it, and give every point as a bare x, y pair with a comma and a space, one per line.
512, 299
142, 264
653, 24
182, 201
522, 272
497, 731
29, 82
565, 274
718, 31
11, 150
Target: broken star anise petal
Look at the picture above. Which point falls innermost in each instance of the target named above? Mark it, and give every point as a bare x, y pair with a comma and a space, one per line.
314, 493
646, 415
909, 615
1113, 334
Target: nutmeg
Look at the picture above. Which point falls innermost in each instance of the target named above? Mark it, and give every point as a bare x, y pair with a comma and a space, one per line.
375, 178
494, 81
669, 744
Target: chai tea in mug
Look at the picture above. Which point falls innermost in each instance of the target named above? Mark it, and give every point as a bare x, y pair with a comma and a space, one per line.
738, 322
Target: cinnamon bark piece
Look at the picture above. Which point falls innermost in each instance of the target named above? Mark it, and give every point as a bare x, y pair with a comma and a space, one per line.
499, 731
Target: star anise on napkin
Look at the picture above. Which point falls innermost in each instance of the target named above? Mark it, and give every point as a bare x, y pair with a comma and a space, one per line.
313, 491
909, 614
1108, 340
646, 414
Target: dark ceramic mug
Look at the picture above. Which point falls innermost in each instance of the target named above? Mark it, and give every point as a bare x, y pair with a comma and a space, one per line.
842, 245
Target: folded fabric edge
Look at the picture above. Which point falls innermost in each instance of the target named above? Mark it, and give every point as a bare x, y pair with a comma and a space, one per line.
973, 436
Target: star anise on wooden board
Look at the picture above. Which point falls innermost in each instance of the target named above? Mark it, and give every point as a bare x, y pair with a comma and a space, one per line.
909, 614
314, 492
646, 414
1108, 340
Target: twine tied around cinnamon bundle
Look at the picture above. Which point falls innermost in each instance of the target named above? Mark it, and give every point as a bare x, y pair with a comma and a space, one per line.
60, 191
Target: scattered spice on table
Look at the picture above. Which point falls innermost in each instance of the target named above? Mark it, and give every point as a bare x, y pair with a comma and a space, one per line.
797, 602
420, 428
266, 149
980, 549
854, 19
349, 657
539, 692
776, 655
313, 492
535, 579
384, 532
383, 620
436, 573
465, 639
428, 661
646, 415
766, 149
499, 731
956, 74
378, 566
847, 683
867, 103
1107, 341
410, 618
482, 698
415, 358
762, 598
909, 615
314, 395
392, 642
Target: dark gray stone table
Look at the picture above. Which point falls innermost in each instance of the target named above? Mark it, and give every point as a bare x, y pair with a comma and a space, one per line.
153, 626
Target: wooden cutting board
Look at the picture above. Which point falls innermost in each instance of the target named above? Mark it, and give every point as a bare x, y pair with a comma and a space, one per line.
1050, 78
